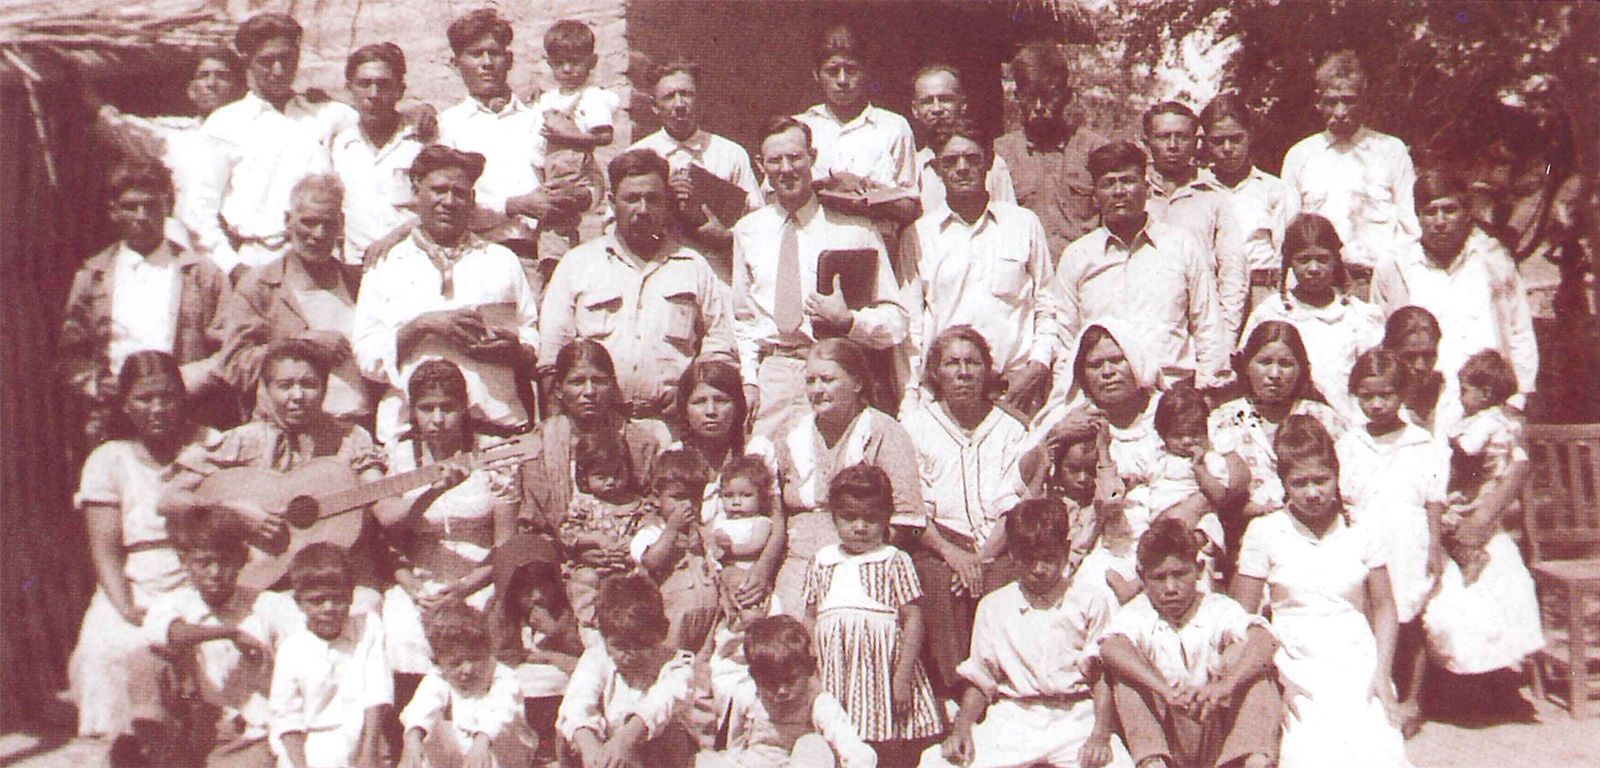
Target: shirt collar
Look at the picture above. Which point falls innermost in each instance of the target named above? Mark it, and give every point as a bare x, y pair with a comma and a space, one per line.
162, 256
617, 249
1474, 244
1203, 181
946, 216
1142, 237
867, 117
1356, 139
695, 145
1339, 524
513, 106
805, 215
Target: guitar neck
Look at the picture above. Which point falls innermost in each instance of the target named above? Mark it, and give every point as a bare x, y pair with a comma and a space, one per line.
393, 485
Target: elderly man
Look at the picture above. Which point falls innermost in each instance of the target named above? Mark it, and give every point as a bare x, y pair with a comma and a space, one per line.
675, 96
305, 294
985, 263
445, 292
1358, 178
654, 304
778, 313
372, 156
1046, 156
1189, 197
1153, 277
938, 103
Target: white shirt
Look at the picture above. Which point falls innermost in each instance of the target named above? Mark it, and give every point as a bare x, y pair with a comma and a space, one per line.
599, 699
510, 140
757, 239
968, 481
1161, 286
993, 275
1019, 651
876, 144
1362, 185
406, 284
1380, 476
750, 728
1201, 207
489, 713
269, 152
723, 158
590, 107
377, 182
1263, 205
997, 182
1190, 654
654, 320
1308, 575
323, 689
1334, 336
1478, 300
144, 302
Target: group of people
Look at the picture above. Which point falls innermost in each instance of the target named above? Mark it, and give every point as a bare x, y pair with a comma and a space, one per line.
916, 447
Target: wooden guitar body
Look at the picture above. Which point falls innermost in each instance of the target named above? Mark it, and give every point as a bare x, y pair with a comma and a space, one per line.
294, 496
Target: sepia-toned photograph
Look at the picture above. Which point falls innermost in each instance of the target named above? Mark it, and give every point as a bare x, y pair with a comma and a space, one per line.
799, 383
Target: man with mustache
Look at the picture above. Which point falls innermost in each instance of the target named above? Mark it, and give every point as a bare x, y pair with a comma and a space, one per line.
1046, 156
777, 312
939, 103
445, 292
653, 303
682, 141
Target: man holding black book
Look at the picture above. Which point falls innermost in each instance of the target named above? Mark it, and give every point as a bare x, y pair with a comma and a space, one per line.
783, 254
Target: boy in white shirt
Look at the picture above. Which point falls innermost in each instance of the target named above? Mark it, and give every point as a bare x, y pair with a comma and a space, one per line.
331, 684
470, 711
1190, 670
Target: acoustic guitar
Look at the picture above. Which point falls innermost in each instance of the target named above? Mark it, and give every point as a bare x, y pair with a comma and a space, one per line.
322, 500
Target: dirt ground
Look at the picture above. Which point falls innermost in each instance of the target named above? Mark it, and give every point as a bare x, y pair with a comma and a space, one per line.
1556, 741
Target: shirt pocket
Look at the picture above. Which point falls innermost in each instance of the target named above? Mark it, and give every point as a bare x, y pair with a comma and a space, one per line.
596, 314
1009, 278
680, 316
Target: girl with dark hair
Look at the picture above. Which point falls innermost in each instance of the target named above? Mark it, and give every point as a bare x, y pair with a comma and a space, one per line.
1311, 296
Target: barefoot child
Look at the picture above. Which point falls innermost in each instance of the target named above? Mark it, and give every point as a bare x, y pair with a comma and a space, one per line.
1190, 670
780, 714
331, 685
601, 520
861, 597
1484, 447
469, 712
1032, 677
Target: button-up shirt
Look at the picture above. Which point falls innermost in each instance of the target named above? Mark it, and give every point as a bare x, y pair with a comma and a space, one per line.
997, 182
406, 284
1477, 298
723, 158
377, 182
1190, 654
511, 141
1363, 185
969, 480
1201, 207
1263, 206
144, 308
1310, 576
490, 713
757, 239
600, 699
1020, 651
994, 275
1053, 182
322, 689
876, 144
654, 316
1160, 285
268, 152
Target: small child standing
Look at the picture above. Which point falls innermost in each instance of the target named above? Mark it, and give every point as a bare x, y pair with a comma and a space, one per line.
739, 535
538, 633
1190, 671
331, 684
861, 596
469, 712
622, 704
1034, 694
601, 521
1483, 447
780, 716
577, 119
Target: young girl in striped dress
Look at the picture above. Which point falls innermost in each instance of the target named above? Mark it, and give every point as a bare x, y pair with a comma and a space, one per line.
861, 598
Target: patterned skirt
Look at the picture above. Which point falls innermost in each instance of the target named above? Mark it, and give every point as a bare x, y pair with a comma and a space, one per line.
856, 654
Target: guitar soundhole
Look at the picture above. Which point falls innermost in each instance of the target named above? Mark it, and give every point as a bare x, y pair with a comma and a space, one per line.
302, 512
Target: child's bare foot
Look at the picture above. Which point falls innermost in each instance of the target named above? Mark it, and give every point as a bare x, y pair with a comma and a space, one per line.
1156, 761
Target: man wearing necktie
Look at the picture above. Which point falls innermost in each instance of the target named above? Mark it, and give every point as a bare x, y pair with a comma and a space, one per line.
778, 311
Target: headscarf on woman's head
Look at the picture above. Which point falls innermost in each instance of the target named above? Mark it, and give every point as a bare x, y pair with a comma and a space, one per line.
1145, 369
290, 442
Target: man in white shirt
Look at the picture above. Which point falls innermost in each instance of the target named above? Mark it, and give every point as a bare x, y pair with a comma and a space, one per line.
682, 141
1466, 279
445, 292
1189, 197
655, 305
778, 313
273, 138
1357, 177
372, 158
985, 263
938, 102
1148, 274
1261, 203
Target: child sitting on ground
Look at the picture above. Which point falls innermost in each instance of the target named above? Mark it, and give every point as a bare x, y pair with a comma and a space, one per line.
538, 633
1034, 694
739, 534
622, 704
780, 716
1187, 480
469, 712
601, 520
1483, 446
1190, 670
331, 685
577, 119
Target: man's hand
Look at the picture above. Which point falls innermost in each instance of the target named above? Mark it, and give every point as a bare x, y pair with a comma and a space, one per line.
682, 185
462, 326
968, 567
1025, 387
618, 752
690, 631
957, 747
501, 347
424, 121
263, 524
830, 307
335, 346
1213, 698
1096, 750
752, 590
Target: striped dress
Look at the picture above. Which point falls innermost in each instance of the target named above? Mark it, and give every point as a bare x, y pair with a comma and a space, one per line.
857, 599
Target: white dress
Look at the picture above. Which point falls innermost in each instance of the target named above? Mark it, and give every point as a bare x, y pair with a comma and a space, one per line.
116, 474
454, 536
1327, 655
1388, 482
